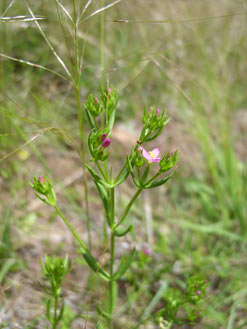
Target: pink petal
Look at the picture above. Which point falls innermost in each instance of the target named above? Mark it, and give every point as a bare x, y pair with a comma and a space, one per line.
155, 152
155, 160
145, 154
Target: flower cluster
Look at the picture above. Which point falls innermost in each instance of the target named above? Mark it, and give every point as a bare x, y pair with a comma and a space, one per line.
93, 106
43, 187
55, 268
151, 156
153, 121
98, 142
169, 160
109, 99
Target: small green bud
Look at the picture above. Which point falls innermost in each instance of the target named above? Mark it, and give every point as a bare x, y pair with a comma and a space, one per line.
196, 289
55, 269
42, 185
153, 123
109, 99
93, 106
163, 324
169, 160
98, 142
138, 158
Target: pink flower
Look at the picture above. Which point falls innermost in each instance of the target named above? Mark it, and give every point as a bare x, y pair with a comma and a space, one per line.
147, 251
157, 112
108, 91
95, 101
106, 142
151, 156
198, 292
41, 179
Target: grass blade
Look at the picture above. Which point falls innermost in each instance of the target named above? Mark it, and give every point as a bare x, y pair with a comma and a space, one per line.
48, 42
33, 64
175, 20
101, 9
64, 10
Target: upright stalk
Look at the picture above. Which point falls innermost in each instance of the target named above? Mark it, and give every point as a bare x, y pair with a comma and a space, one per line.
54, 326
81, 122
127, 209
112, 250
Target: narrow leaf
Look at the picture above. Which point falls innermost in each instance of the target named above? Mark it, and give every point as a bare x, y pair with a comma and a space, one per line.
101, 9
97, 178
124, 265
123, 231
159, 182
93, 263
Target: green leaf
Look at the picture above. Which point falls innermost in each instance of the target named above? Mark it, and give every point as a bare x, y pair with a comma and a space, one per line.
42, 199
89, 118
6, 235
105, 314
61, 312
111, 121
136, 182
104, 198
152, 137
97, 178
93, 263
159, 182
122, 178
123, 231
124, 265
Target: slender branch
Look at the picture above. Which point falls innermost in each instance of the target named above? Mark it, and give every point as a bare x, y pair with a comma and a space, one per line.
75, 235
127, 209
121, 171
81, 122
112, 250
101, 171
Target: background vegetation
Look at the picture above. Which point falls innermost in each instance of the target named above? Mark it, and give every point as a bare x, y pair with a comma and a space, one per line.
187, 56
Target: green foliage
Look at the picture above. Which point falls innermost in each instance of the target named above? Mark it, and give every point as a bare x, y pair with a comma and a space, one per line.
153, 124
169, 160
43, 186
54, 270
199, 71
9, 261
95, 140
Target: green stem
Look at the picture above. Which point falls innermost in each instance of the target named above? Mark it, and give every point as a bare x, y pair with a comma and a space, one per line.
112, 249
121, 171
54, 326
75, 235
81, 123
151, 179
101, 171
112, 198
127, 209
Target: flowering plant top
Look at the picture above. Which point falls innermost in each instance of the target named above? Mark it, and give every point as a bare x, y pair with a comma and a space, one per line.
151, 156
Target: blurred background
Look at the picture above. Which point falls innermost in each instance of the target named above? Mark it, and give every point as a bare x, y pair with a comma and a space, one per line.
187, 56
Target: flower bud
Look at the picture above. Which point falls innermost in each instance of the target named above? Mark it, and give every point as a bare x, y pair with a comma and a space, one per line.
43, 186
97, 143
106, 142
169, 160
108, 91
93, 106
138, 158
41, 179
